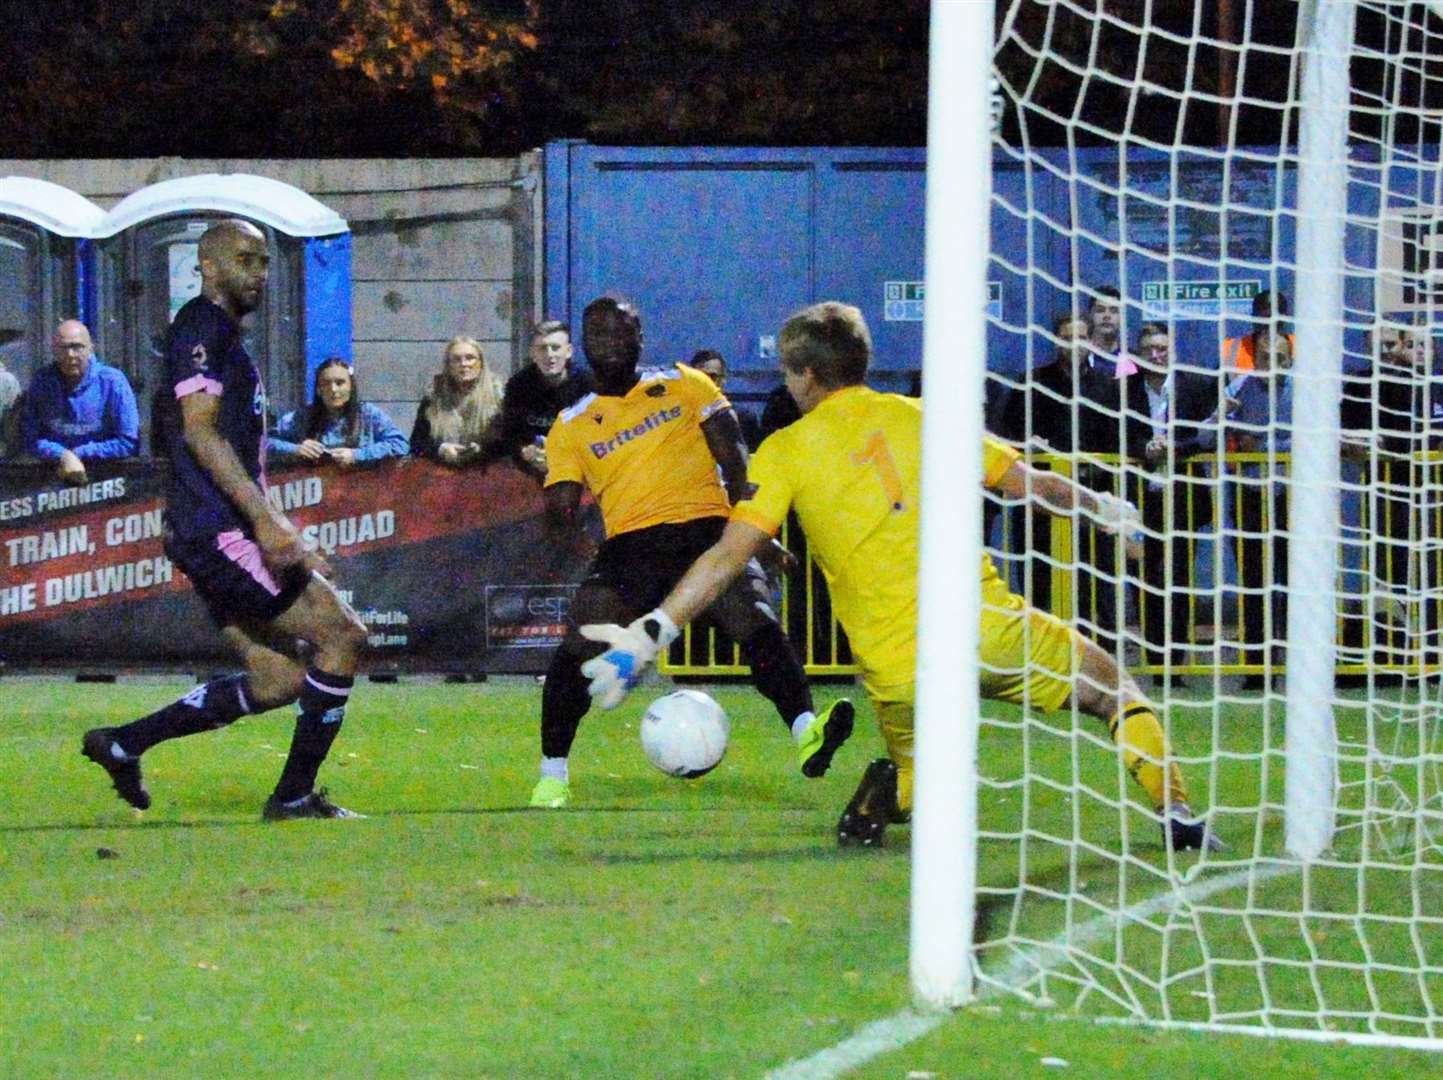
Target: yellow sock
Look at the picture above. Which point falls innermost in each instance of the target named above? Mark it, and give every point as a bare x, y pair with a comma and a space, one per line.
896, 719
1144, 747
904, 784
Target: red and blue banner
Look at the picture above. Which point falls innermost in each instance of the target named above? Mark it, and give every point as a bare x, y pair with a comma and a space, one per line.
451, 570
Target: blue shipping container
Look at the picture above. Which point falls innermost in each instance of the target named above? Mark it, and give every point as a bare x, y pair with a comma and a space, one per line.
719, 245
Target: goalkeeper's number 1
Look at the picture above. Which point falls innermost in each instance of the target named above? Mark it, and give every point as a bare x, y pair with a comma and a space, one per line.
879, 455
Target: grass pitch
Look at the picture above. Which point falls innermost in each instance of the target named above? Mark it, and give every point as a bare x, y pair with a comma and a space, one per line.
659, 928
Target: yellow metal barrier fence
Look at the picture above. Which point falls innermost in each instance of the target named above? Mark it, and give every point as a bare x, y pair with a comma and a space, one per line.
805, 610
1390, 585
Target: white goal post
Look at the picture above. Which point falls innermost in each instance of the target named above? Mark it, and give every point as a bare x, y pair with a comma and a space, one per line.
1242, 181
959, 191
1326, 34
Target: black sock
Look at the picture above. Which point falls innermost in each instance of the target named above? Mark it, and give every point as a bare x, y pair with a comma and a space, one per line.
209, 706
564, 701
778, 673
322, 707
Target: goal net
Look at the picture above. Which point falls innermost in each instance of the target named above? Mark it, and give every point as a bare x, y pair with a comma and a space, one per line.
1217, 237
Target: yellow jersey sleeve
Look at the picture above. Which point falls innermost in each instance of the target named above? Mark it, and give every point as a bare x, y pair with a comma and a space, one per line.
767, 508
997, 458
698, 389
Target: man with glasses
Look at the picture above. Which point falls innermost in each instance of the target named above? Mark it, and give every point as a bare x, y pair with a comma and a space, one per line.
78, 409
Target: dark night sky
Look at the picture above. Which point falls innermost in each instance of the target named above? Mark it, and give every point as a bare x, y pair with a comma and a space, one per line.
159, 77
172, 77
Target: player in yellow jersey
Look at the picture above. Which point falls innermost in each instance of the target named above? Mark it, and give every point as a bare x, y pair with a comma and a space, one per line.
649, 444
851, 470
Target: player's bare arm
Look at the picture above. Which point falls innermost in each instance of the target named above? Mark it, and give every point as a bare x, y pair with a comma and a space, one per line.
562, 505
1058, 494
278, 539
724, 438
562, 502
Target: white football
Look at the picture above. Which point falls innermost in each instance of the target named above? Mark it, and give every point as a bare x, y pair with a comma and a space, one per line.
685, 733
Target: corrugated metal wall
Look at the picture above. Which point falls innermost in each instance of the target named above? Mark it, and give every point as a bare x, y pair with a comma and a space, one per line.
719, 245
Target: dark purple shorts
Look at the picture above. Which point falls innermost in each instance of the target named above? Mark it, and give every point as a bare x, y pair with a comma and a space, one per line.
233, 580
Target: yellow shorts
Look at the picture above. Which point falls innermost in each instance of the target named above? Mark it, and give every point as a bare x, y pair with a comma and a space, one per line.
1028, 657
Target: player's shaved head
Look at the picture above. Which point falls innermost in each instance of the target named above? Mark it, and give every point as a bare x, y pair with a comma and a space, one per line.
832, 340
223, 237
234, 261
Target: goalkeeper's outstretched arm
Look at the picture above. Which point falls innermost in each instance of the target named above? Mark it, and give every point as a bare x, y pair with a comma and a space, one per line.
1061, 495
713, 571
1058, 494
632, 649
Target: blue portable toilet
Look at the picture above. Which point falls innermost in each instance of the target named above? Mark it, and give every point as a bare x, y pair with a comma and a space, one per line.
45, 263
147, 269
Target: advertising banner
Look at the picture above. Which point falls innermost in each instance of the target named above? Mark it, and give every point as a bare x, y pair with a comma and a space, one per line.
451, 570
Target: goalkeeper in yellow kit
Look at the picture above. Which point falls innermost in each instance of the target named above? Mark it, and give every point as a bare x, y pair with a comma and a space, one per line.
851, 470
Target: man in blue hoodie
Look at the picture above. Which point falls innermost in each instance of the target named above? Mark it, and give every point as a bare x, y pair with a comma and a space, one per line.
78, 409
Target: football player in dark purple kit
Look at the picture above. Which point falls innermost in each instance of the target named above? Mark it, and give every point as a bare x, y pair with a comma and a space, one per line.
246, 560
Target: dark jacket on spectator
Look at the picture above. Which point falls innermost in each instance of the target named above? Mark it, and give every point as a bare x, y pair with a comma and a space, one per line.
751, 427
1130, 436
1073, 413
528, 409
423, 444
1193, 397
1402, 409
779, 411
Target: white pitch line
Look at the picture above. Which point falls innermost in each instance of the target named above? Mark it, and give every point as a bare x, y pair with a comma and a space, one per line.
908, 1025
877, 1038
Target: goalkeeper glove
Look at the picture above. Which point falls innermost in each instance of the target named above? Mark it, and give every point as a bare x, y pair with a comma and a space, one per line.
632, 649
1119, 518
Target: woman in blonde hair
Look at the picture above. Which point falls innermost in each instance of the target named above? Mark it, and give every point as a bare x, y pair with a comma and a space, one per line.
464, 396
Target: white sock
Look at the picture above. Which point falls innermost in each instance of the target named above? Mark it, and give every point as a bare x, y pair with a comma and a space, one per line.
555, 767
800, 725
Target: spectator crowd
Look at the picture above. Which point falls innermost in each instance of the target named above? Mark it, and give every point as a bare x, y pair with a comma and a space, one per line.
1199, 444
78, 410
